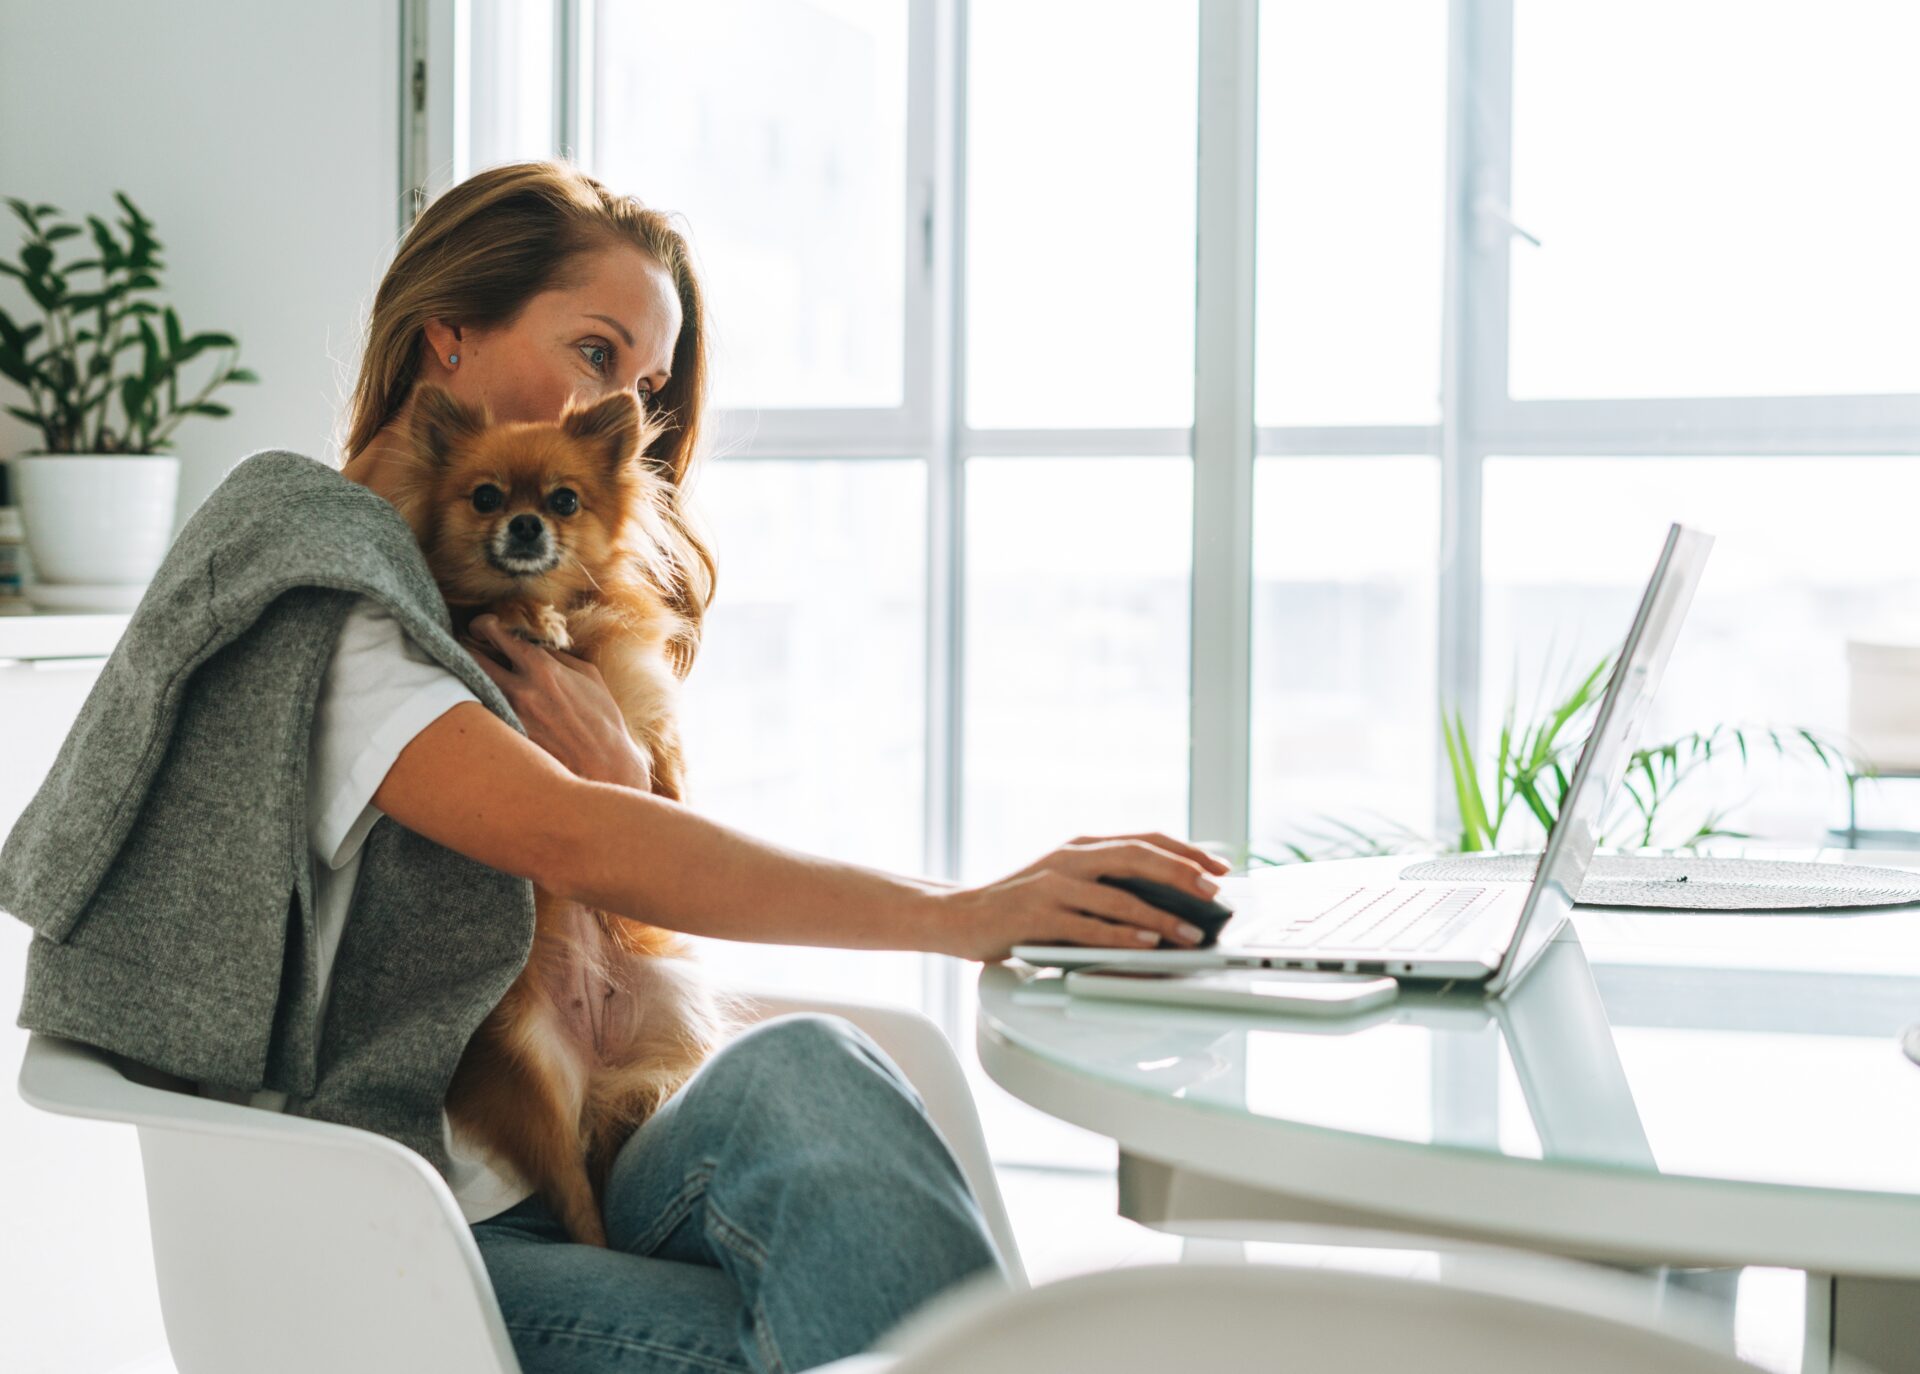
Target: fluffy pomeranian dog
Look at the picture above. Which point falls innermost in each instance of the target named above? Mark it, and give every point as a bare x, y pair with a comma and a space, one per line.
557, 529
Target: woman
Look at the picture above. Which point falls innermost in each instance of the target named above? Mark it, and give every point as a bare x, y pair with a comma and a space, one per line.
791, 1202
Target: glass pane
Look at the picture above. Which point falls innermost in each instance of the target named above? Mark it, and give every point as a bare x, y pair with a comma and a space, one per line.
804, 716
1345, 553
505, 112
779, 132
1352, 225
1722, 198
1079, 579
1080, 213
1807, 553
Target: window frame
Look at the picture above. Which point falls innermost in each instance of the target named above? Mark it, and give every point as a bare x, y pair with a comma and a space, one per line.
1477, 416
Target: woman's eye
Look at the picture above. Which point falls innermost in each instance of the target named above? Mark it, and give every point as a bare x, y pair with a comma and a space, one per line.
563, 502
487, 497
644, 390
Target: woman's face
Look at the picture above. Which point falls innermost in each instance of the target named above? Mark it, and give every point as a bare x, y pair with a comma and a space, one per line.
614, 331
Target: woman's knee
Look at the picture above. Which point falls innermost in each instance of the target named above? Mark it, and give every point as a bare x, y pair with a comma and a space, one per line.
814, 1042
804, 1067
819, 1107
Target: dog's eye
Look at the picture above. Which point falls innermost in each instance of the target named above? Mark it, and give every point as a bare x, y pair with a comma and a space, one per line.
563, 502
487, 497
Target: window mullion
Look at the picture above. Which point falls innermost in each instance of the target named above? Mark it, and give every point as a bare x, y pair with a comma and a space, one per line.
431, 88
574, 67
1474, 343
1223, 429
938, 48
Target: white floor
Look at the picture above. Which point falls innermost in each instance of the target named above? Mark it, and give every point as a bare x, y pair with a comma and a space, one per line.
1067, 1223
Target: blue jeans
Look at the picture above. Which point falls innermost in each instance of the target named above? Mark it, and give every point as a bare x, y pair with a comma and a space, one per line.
784, 1208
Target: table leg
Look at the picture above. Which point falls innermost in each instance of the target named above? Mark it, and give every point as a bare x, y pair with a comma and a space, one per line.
1707, 1291
1206, 1250
1872, 1320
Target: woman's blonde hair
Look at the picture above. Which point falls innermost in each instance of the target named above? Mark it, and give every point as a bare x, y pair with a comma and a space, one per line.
477, 255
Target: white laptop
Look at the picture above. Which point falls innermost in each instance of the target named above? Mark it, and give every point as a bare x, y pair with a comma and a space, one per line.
1487, 933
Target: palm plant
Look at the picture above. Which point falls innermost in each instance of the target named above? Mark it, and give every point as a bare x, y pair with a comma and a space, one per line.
1534, 764
1531, 773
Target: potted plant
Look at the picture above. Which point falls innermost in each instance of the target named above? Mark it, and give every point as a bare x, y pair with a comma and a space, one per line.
1530, 774
97, 499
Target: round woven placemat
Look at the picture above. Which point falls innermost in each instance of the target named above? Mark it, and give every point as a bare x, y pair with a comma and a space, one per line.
1695, 884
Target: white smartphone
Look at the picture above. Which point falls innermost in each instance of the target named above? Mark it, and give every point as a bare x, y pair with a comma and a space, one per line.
1259, 989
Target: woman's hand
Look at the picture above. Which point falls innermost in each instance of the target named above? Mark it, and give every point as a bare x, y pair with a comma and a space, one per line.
1058, 899
564, 703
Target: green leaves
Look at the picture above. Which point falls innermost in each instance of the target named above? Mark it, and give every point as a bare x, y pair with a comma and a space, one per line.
1475, 831
78, 372
1534, 767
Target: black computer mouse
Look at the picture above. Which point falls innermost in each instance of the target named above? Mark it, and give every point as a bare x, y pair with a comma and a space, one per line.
1209, 915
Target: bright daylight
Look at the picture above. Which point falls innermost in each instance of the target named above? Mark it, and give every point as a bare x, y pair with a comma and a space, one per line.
959, 686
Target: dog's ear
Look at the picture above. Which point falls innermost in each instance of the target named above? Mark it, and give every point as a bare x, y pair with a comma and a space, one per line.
611, 426
440, 420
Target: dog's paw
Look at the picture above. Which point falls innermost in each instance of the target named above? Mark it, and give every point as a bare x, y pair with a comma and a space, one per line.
536, 624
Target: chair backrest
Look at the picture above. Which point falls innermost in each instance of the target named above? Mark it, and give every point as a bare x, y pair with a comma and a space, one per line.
1243, 1318
284, 1243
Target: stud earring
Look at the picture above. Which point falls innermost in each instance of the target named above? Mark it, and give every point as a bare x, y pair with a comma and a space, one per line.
452, 358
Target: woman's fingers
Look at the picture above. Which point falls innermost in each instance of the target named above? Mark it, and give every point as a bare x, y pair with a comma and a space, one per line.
489, 665
525, 657
487, 629
1135, 858
568, 659
1147, 920
1180, 847
532, 658
1091, 930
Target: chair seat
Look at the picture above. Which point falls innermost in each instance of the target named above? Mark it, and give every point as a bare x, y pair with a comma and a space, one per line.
253, 1212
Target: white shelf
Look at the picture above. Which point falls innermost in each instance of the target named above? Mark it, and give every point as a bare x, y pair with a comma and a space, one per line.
41, 635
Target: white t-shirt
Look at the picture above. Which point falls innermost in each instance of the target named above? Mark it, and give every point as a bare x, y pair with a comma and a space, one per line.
381, 690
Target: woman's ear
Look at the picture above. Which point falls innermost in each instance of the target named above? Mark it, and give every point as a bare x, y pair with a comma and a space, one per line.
440, 421
443, 340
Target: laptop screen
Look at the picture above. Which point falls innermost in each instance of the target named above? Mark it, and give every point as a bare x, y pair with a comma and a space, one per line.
1608, 750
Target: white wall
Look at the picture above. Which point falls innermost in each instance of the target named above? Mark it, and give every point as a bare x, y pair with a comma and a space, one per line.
261, 137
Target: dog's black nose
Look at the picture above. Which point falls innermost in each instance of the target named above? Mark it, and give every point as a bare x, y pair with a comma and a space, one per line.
525, 529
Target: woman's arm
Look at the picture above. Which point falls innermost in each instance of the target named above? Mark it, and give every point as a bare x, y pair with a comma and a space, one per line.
470, 782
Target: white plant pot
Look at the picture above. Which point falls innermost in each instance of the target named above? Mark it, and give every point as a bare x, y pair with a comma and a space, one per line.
97, 525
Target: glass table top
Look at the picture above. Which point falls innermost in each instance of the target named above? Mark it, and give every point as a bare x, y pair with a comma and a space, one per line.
1758, 1048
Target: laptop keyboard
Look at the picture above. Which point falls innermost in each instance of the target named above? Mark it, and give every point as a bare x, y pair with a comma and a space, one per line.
1375, 918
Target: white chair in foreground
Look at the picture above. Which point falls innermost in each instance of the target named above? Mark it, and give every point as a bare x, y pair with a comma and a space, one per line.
1264, 1316
308, 1247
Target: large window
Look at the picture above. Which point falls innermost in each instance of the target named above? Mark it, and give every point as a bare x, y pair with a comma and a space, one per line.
779, 131
1409, 323
1734, 224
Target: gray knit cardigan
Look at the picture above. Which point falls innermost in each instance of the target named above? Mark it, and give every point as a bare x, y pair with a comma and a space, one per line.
164, 862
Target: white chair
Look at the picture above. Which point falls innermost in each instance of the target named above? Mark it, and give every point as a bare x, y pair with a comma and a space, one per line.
309, 1247
1265, 1316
